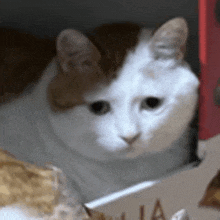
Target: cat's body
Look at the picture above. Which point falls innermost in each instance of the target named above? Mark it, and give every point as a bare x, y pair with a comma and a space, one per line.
138, 132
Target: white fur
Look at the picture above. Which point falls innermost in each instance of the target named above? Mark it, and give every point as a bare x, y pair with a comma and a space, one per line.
89, 148
16, 213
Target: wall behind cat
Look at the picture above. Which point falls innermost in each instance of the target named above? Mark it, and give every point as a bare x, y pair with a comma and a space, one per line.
52, 16
48, 18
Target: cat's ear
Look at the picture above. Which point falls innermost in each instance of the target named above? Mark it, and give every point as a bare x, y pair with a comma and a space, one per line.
169, 41
75, 49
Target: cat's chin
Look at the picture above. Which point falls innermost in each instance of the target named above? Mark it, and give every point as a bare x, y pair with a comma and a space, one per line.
125, 156
130, 156
129, 153
124, 151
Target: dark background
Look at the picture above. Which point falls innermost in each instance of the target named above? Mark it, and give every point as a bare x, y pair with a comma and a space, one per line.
46, 18
49, 17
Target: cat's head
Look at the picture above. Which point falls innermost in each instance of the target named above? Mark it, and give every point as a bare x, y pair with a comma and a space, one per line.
122, 91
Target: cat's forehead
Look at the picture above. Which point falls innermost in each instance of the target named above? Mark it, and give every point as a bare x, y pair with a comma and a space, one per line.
127, 53
115, 42
126, 47
136, 76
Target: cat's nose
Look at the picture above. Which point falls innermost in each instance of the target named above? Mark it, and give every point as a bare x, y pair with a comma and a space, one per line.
131, 139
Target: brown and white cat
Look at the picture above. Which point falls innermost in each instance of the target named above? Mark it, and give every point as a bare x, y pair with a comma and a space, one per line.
112, 108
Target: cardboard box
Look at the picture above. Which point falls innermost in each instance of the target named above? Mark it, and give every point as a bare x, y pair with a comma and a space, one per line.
194, 189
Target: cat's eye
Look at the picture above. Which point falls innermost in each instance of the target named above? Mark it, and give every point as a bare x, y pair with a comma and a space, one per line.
99, 107
151, 103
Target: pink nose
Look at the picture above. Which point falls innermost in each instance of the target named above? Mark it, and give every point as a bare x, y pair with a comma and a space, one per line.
131, 139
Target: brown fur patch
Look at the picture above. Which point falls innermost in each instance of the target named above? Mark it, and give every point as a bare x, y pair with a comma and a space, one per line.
113, 42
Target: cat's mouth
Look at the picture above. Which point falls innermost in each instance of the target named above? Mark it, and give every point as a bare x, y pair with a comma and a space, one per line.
126, 150
130, 152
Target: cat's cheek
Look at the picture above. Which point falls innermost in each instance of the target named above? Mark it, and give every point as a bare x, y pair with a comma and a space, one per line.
149, 145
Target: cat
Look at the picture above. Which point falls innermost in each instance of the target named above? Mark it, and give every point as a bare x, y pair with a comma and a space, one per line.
113, 108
